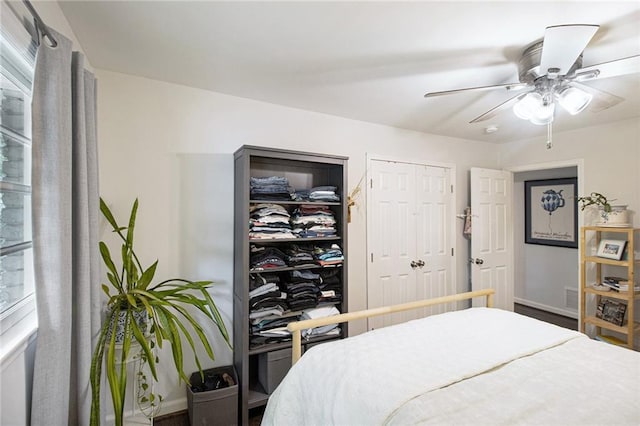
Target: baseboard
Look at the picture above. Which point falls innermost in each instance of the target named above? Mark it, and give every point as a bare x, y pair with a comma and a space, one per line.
134, 417
543, 307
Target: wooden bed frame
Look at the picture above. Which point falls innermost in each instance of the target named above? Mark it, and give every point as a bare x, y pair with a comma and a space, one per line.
296, 327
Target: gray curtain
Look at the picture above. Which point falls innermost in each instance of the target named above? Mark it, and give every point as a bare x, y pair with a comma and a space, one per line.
65, 234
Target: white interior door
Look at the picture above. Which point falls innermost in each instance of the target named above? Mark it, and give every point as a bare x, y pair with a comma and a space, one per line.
434, 237
409, 236
492, 234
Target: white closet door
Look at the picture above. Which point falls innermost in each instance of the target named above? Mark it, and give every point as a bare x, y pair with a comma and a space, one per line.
409, 237
391, 278
433, 232
492, 234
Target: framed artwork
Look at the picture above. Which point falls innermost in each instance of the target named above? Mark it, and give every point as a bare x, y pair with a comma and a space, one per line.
611, 249
551, 213
611, 311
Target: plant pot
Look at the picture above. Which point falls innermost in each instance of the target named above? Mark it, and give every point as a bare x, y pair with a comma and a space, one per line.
140, 317
617, 217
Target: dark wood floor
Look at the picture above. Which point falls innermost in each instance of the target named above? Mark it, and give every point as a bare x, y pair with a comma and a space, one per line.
181, 418
545, 316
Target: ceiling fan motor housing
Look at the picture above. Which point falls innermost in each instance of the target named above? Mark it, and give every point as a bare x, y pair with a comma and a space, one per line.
529, 64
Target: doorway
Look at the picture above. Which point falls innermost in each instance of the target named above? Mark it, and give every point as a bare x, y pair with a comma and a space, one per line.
546, 277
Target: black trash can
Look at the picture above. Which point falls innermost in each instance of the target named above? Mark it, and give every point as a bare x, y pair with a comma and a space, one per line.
217, 407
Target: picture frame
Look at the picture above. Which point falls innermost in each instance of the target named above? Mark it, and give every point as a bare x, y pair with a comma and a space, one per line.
611, 249
551, 212
611, 311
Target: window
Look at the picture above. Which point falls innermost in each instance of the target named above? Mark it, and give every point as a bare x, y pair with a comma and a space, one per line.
17, 57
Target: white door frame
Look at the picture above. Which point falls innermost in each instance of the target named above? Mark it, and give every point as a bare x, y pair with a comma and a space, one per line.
578, 163
452, 169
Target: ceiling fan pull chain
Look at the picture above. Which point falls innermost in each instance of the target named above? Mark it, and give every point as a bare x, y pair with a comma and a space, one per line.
549, 135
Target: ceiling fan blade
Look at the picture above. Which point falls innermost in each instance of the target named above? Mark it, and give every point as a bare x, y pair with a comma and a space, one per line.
498, 109
562, 45
601, 100
508, 86
615, 68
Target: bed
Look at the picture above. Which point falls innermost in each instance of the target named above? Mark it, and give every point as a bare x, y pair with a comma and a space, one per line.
474, 366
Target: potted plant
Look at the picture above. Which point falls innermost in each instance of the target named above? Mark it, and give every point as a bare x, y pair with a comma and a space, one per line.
611, 215
146, 315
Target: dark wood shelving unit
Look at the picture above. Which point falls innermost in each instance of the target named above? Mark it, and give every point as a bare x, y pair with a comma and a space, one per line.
303, 170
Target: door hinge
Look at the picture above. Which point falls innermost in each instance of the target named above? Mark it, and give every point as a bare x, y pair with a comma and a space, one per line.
452, 189
371, 257
371, 183
451, 251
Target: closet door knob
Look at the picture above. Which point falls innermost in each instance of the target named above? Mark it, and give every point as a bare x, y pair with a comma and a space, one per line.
420, 263
413, 264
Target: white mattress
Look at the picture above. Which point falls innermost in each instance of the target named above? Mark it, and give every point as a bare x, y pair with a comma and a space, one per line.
468, 367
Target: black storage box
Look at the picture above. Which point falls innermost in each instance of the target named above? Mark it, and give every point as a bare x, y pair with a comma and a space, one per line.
272, 367
217, 407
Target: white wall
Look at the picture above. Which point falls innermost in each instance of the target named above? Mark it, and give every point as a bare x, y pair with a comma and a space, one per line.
172, 147
611, 155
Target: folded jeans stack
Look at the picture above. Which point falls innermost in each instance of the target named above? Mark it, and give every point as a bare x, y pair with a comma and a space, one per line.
274, 188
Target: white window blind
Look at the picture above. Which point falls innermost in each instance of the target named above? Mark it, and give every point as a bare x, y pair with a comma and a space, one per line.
17, 56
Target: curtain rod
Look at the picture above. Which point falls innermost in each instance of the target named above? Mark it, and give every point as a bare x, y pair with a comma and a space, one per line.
41, 27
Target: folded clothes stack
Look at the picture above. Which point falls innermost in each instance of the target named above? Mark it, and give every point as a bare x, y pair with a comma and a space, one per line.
309, 221
330, 286
269, 221
323, 193
274, 188
300, 255
302, 290
265, 297
326, 330
327, 255
318, 193
265, 258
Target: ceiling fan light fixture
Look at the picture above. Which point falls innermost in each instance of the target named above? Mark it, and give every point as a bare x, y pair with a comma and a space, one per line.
526, 107
573, 99
544, 114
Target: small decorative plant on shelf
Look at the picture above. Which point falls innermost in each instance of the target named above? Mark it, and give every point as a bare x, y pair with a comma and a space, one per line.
595, 199
611, 215
147, 315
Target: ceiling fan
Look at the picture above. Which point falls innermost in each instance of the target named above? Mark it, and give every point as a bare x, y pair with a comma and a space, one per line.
551, 72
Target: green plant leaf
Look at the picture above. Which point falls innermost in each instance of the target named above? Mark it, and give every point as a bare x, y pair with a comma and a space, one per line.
147, 276
106, 212
95, 375
132, 224
117, 397
105, 288
106, 258
146, 349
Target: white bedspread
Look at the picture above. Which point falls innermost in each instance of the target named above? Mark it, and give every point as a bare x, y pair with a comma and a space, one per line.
370, 378
582, 382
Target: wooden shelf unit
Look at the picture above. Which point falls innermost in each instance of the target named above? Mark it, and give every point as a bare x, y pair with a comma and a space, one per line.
587, 315
304, 171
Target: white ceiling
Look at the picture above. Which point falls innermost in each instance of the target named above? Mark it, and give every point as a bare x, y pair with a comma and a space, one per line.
370, 61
